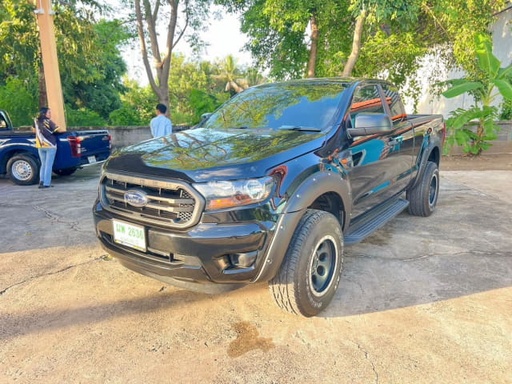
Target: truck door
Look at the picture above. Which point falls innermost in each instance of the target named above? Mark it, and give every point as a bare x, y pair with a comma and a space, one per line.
380, 165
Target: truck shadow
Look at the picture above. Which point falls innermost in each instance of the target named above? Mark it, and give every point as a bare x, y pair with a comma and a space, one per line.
464, 248
58, 319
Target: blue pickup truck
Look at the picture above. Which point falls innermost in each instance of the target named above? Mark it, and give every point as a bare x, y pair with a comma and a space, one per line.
75, 149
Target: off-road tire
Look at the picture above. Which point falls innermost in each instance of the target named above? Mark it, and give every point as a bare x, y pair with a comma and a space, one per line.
423, 196
311, 270
23, 170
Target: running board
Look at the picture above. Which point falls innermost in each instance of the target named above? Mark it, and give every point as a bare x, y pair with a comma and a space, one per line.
366, 224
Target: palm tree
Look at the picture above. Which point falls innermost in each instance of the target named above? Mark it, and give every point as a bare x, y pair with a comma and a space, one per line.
229, 73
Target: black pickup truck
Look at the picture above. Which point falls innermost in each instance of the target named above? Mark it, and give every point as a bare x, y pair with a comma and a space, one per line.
19, 159
271, 187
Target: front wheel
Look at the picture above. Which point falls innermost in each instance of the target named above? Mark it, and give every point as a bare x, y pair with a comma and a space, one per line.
311, 271
423, 196
23, 170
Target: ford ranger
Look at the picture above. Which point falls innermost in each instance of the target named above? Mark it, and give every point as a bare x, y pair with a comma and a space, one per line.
19, 159
270, 188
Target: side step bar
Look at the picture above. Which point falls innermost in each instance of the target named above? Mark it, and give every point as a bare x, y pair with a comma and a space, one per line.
366, 224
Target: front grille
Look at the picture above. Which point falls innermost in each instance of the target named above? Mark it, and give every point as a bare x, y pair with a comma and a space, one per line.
171, 204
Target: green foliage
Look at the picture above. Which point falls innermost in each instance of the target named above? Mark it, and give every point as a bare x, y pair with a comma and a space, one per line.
19, 43
126, 116
100, 87
396, 34
400, 66
90, 62
138, 106
462, 133
83, 118
201, 102
459, 22
199, 87
506, 110
489, 81
18, 101
276, 30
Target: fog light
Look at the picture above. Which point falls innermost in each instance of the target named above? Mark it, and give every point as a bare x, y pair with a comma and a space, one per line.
243, 260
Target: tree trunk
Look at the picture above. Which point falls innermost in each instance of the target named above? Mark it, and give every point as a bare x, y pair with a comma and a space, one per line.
356, 44
147, 29
43, 96
314, 46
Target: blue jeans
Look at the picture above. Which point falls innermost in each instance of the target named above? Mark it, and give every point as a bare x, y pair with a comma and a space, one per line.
47, 156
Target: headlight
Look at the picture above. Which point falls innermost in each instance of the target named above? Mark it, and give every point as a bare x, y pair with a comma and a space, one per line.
227, 194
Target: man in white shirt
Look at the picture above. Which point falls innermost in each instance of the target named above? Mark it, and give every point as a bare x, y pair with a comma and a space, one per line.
160, 125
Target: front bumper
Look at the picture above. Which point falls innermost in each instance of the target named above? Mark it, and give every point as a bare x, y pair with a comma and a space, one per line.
205, 254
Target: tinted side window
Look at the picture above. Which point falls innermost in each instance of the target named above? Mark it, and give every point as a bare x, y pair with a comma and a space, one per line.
366, 99
394, 102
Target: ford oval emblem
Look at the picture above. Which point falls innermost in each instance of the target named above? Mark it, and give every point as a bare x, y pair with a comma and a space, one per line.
136, 198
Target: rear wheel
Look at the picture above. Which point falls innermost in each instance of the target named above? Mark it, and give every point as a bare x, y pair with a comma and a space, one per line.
23, 170
423, 196
310, 273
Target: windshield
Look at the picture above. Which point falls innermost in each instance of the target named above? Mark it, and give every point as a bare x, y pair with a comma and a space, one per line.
295, 106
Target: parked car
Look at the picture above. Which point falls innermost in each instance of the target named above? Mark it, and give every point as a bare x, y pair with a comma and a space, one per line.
19, 159
271, 187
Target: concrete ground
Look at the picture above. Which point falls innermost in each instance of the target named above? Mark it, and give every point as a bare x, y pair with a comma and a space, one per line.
424, 300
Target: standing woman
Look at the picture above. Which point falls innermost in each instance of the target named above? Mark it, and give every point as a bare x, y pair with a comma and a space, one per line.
46, 144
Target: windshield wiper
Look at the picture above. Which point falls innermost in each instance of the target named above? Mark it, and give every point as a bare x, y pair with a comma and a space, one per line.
299, 128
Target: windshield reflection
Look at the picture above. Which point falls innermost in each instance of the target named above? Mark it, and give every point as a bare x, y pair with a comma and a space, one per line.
280, 106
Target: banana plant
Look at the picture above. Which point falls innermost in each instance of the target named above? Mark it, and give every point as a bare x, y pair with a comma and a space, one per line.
493, 81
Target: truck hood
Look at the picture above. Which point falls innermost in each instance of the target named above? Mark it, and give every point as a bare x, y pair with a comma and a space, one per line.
204, 154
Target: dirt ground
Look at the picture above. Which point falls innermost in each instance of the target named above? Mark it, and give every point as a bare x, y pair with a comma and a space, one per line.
424, 300
497, 162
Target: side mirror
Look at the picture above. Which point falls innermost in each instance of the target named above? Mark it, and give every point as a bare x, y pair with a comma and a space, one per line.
206, 115
367, 123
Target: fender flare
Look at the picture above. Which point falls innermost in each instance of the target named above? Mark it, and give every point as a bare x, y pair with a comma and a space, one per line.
308, 191
424, 158
316, 185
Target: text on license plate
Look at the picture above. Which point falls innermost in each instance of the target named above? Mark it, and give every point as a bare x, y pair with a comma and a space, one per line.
130, 235
91, 159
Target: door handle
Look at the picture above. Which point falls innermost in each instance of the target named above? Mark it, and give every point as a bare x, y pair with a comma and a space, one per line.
396, 141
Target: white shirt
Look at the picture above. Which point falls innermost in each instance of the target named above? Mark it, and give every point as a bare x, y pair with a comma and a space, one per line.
160, 126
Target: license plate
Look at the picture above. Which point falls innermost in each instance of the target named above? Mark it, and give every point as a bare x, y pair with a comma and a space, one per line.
132, 236
91, 159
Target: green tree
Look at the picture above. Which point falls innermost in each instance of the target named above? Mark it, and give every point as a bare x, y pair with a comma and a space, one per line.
17, 99
338, 31
84, 117
90, 63
367, 38
195, 88
200, 87
100, 90
137, 106
458, 23
147, 13
230, 73
484, 86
